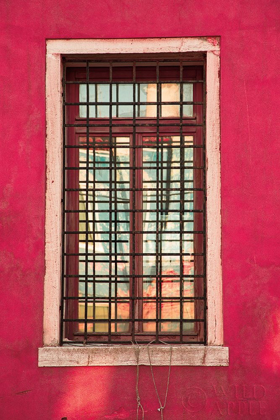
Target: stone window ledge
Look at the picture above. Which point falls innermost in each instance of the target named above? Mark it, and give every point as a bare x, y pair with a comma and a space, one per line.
120, 355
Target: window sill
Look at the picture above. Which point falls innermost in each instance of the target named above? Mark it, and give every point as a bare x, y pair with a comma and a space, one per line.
119, 355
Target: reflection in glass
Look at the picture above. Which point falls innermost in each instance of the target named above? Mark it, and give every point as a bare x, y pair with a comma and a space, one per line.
103, 239
165, 220
188, 97
123, 99
147, 93
83, 98
163, 242
170, 92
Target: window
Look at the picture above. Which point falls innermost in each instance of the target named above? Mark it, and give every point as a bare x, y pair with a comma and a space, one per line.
138, 260
134, 201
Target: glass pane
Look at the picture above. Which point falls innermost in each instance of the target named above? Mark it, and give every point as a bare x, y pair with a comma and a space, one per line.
125, 111
103, 93
83, 98
125, 94
149, 111
104, 224
148, 93
101, 312
149, 312
103, 111
121, 311
188, 97
162, 219
170, 92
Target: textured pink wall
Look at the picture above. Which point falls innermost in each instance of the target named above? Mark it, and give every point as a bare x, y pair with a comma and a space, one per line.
250, 60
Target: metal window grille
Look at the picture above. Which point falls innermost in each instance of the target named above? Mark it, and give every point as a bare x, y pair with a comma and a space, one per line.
134, 186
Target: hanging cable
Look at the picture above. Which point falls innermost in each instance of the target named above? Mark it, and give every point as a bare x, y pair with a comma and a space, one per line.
139, 404
161, 407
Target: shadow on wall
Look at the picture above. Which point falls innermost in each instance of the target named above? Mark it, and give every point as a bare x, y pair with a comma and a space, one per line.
95, 393
271, 354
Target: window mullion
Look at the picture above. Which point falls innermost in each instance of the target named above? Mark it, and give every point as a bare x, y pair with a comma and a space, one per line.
138, 214
87, 211
133, 265
115, 212
182, 197
110, 213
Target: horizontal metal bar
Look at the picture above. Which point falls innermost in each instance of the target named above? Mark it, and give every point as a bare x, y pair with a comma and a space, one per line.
136, 231
136, 276
126, 82
135, 124
131, 211
127, 320
127, 300
130, 254
135, 189
131, 103
119, 168
113, 146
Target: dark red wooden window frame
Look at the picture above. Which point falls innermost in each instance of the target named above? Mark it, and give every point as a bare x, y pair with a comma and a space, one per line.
73, 133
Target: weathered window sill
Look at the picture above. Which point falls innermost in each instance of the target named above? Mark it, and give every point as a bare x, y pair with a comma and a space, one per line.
120, 355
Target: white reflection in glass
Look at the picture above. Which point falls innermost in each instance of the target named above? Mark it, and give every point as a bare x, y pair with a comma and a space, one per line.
147, 92
188, 97
100, 231
163, 231
83, 98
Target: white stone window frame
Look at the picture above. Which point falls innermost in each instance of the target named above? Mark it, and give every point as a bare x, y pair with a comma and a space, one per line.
52, 354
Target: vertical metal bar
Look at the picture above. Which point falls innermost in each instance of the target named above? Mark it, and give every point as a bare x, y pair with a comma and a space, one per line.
161, 213
117, 99
96, 99
86, 215
114, 150
161, 194
110, 211
93, 235
134, 311
138, 100
93, 219
182, 197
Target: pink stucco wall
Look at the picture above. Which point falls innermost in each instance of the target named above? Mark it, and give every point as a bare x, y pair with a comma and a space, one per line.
250, 60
